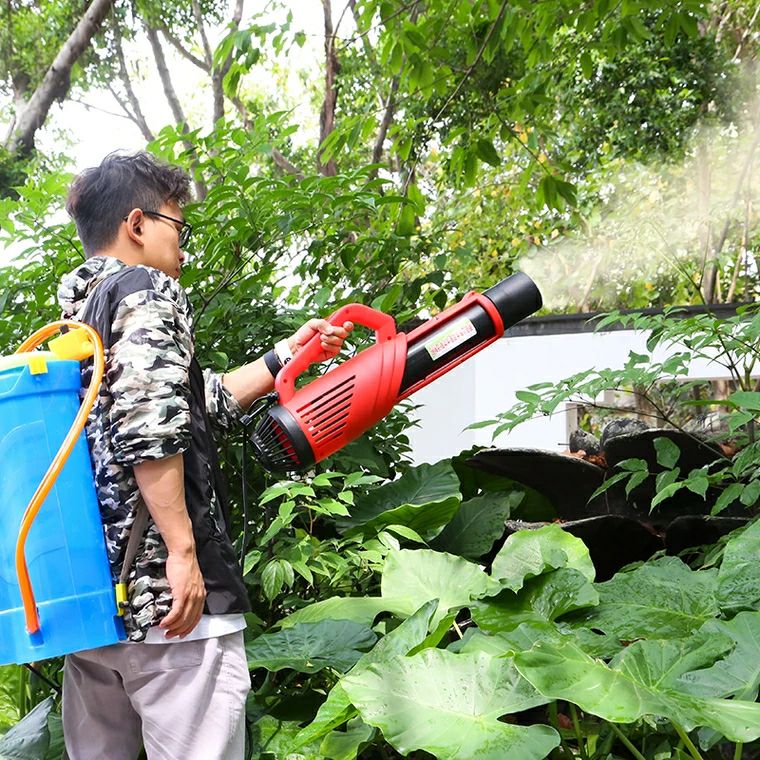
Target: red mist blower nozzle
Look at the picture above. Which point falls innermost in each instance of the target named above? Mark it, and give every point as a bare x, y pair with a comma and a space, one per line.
306, 425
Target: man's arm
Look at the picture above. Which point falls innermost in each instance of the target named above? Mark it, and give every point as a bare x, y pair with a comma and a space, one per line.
161, 484
253, 380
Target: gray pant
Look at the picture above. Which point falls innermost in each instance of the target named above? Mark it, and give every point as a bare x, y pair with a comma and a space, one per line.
184, 701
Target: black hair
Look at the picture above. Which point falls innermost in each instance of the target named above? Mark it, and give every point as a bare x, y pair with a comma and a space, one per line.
100, 197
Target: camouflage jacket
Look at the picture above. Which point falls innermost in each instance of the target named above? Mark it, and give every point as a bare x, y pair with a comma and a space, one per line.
154, 402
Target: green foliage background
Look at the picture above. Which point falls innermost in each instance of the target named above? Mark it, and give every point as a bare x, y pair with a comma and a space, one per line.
391, 616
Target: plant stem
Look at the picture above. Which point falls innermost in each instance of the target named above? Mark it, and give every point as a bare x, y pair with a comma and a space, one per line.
623, 738
738, 751
554, 720
693, 751
577, 727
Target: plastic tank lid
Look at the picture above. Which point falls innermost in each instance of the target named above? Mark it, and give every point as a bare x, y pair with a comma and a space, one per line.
23, 360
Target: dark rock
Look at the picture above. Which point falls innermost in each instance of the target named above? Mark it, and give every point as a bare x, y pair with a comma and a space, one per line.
698, 530
566, 481
621, 426
580, 440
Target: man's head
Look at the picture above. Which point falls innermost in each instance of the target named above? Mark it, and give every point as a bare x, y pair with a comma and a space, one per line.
121, 209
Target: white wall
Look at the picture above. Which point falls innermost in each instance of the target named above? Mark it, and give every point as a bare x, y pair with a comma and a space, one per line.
485, 385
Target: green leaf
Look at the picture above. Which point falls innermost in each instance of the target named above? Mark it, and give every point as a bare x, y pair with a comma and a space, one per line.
641, 681
729, 496
486, 152
541, 599
10, 681
739, 574
400, 641
361, 609
667, 452
738, 674
251, 559
344, 745
750, 494
273, 579
310, 647
478, 523
449, 705
423, 498
413, 577
410, 578
529, 553
272, 738
587, 66
30, 737
746, 399
662, 599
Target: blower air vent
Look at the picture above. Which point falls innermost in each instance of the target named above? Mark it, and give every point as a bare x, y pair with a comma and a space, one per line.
279, 444
326, 416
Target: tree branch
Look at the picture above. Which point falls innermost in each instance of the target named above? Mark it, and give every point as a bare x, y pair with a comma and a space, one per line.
198, 14
135, 114
280, 161
218, 75
171, 97
57, 79
327, 113
183, 51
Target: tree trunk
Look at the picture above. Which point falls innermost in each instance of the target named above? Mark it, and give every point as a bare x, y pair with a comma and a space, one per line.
57, 79
327, 114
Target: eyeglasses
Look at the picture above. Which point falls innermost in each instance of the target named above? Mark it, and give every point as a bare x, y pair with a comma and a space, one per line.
185, 229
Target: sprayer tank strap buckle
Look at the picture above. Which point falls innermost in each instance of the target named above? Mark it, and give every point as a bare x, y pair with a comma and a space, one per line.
283, 352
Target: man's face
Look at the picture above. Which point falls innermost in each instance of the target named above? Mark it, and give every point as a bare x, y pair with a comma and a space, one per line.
161, 240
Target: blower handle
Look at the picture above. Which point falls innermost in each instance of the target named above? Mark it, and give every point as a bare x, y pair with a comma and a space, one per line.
383, 324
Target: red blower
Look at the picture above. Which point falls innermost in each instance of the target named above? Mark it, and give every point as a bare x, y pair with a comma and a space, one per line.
306, 425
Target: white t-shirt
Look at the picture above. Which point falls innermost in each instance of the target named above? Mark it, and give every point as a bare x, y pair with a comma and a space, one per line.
209, 627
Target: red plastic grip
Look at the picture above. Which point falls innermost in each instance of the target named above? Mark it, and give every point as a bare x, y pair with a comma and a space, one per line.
383, 324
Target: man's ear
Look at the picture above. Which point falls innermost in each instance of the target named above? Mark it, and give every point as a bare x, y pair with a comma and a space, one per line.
135, 223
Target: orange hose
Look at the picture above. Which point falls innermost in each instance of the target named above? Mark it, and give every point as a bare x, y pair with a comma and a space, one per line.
22, 571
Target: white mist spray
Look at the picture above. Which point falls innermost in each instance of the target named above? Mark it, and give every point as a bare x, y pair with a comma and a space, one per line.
656, 221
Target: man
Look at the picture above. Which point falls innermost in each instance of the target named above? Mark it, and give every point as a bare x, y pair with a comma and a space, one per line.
179, 686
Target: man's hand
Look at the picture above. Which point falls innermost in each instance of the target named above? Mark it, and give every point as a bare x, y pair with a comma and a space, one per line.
188, 594
332, 337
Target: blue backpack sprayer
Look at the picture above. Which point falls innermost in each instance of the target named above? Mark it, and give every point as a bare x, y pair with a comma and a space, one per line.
56, 591
56, 588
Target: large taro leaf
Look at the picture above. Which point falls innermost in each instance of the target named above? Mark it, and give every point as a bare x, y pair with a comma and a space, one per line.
544, 598
449, 704
418, 575
738, 674
423, 498
30, 737
410, 578
345, 745
739, 575
360, 609
643, 680
272, 739
310, 647
337, 708
663, 599
529, 553
478, 523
